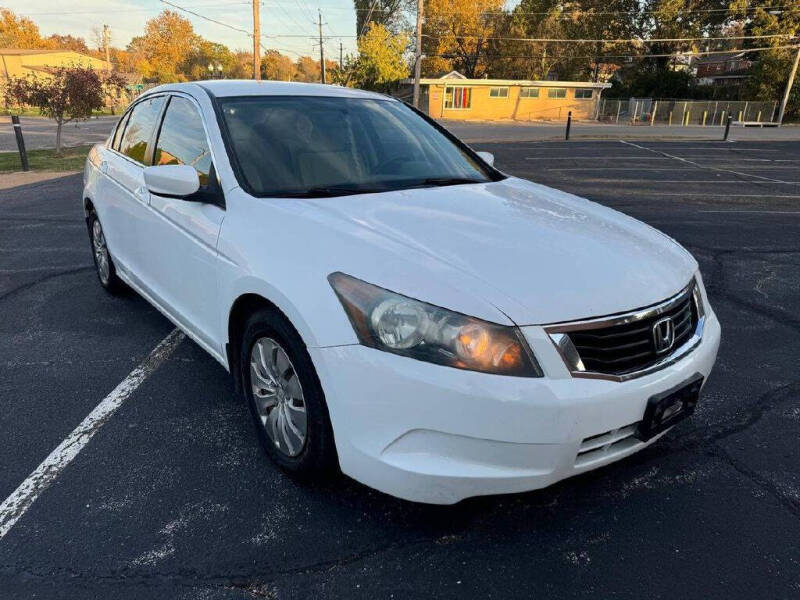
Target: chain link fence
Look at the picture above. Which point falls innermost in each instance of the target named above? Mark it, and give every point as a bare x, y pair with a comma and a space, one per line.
651, 111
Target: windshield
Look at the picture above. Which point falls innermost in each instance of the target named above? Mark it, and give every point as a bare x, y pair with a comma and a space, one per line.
311, 146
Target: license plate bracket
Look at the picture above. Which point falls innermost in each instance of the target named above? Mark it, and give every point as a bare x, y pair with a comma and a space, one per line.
670, 407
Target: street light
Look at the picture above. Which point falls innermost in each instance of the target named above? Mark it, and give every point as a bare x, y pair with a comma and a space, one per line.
212, 67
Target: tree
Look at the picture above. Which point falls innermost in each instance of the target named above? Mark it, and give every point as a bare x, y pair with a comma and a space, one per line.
205, 53
771, 72
380, 62
69, 93
457, 34
67, 42
18, 32
277, 66
383, 12
161, 53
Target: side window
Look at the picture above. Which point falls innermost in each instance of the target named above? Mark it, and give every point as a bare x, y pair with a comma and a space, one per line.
140, 128
119, 130
182, 140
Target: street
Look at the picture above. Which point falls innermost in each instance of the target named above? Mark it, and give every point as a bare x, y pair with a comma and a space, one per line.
174, 498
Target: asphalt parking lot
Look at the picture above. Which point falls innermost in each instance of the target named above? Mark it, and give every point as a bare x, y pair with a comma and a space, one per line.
173, 497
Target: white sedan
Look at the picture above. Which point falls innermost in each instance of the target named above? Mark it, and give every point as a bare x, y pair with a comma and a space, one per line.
387, 301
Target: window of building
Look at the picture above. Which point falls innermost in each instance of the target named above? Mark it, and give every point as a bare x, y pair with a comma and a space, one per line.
182, 139
529, 92
139, 129
583, 93
557, 93
498, 92
457, 97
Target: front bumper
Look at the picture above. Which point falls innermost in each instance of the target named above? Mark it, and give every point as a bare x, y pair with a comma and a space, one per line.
435, 434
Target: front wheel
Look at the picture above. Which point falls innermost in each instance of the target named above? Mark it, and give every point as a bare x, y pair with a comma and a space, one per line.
106, 271
285, 396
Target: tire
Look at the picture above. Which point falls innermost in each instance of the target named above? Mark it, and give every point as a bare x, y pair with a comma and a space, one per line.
277, 379
103, 263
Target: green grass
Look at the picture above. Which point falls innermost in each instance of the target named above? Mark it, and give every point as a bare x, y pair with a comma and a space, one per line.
71, 159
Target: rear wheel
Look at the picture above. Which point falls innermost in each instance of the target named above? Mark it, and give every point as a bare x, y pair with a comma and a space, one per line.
285, 396
106, 271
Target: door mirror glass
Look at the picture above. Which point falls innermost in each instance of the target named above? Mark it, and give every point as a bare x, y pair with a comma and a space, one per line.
487, 157
172, 181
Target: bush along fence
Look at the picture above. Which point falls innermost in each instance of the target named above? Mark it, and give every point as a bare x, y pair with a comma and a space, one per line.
677, 113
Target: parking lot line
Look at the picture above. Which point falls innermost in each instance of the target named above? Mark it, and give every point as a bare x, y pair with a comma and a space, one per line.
699, 166
29, 490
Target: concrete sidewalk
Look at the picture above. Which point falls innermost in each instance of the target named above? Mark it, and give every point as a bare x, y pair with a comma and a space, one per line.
508, 131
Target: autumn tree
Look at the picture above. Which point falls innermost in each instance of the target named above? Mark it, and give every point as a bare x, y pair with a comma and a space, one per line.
66, 94
67, 42
277, 67
18, 32
168, 42
380, 63
457, 34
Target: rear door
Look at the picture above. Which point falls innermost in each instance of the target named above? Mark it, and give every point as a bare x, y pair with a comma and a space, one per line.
122, 195
180, 238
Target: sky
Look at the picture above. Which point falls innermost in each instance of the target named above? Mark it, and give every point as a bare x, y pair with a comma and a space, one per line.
292, 22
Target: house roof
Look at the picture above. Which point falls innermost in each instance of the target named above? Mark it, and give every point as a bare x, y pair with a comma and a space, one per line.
29, 51
716, 58
507, 82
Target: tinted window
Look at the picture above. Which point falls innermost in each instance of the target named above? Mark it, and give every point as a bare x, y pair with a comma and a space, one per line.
498, 92
182, 140
583, 93
120, 129
557, 93
140, 128
529, 92
330, 146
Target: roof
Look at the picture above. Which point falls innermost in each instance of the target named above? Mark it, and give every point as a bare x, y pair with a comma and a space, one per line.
249, 87
715, 58
26, 51
506, 82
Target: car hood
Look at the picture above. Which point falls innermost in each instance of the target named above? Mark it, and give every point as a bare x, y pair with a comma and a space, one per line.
534, 253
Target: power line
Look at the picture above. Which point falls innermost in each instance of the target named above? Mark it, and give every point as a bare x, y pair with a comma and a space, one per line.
588, 13
196, 14
608, 56
611, 41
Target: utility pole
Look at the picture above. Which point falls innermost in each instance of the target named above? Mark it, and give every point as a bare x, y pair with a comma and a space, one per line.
418, 53
341, 62
789, 84
257, 40
321, 49
106, 43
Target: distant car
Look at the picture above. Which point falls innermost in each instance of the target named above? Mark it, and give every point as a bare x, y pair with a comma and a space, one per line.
386, 300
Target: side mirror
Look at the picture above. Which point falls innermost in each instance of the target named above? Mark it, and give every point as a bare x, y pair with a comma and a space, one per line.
487, 157
172, 181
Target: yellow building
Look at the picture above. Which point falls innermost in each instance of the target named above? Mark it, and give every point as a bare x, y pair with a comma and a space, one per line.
16, 62
456, 97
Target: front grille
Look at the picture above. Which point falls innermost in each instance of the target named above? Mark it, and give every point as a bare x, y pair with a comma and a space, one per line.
630, 347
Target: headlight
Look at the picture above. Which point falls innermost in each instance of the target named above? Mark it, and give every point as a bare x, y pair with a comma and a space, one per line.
401, 325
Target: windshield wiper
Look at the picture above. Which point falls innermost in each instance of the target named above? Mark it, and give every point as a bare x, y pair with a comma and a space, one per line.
331, 191
441, 181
